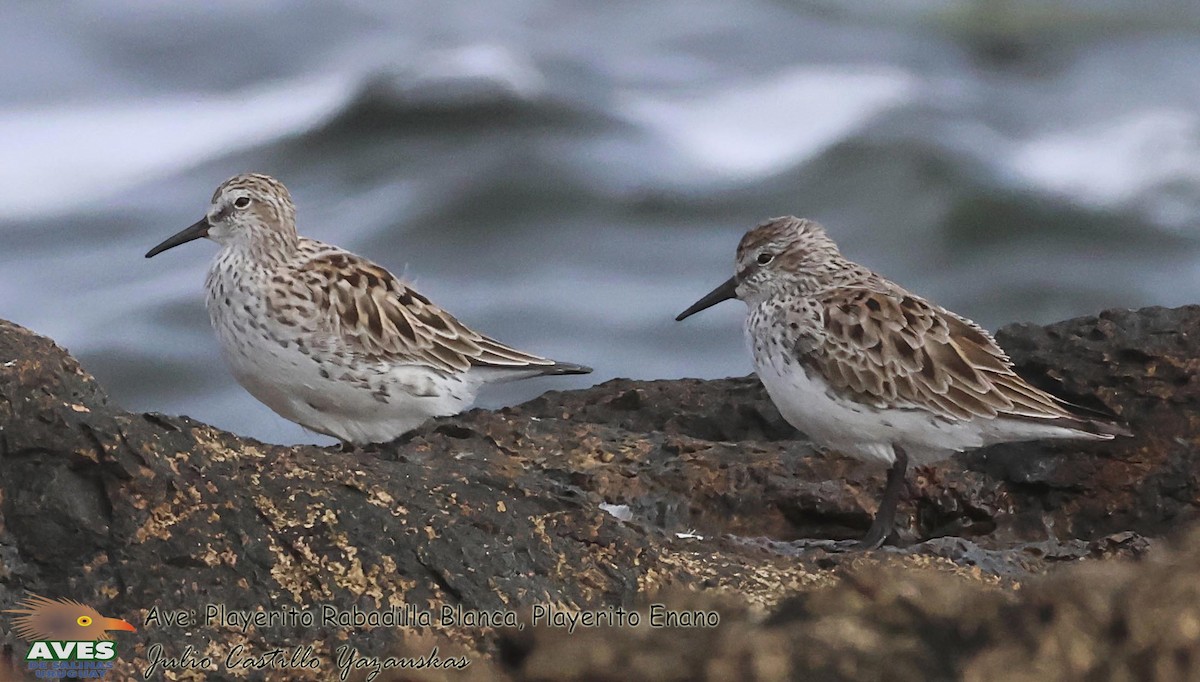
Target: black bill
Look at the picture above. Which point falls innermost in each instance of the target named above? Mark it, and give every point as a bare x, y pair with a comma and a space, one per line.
724, 292
200, 229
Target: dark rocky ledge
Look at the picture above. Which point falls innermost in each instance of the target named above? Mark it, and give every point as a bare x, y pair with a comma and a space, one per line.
502, 510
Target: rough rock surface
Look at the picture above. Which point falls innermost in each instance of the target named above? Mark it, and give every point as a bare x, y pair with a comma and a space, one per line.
504, 510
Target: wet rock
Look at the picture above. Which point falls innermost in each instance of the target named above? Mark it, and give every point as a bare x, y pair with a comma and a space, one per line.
1141, 364
1111, 620
504, 510
127, 511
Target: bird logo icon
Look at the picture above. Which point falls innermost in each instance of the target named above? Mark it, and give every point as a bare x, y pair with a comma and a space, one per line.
63, 620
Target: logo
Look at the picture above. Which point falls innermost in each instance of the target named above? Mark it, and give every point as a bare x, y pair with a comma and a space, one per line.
66, 639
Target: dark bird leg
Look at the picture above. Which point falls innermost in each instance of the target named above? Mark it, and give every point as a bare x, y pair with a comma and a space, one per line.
885, 517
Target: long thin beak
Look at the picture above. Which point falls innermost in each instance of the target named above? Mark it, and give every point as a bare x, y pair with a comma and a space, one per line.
724, 292
187, 234
118, 624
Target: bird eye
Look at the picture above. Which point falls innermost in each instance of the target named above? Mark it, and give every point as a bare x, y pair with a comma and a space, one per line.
241, 202
84, 621
764, 258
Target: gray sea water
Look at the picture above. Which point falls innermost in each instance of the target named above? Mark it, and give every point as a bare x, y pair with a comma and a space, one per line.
567, 176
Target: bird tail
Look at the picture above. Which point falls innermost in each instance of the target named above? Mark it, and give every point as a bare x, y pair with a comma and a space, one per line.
1101, 427
1100, 423
559, 368
495, 374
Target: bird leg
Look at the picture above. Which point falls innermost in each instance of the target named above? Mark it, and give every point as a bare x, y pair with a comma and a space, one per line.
885, 516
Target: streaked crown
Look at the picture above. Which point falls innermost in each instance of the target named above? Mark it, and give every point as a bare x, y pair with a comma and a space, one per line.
786, 251
252, 208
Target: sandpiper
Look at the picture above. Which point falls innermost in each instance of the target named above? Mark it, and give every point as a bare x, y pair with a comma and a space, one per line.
328, 339
868, 369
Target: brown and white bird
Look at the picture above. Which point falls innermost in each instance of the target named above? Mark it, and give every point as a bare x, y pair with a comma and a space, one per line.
63, 620
330, 340
868, 369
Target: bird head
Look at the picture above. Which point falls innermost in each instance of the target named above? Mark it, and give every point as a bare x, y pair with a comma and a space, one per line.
250, 210
782, 254
64, 620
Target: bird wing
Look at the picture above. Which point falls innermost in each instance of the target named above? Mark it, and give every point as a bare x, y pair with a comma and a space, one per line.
892, 349
380, 317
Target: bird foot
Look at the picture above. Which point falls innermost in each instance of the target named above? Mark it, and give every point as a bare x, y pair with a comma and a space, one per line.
830, 546
875, 537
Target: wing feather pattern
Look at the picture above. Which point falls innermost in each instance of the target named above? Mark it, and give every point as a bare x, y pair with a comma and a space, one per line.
378, 316
892, 349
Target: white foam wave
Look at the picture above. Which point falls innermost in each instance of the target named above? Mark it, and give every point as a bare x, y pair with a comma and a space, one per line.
1148, 161
773, 124
60, 157
506, 69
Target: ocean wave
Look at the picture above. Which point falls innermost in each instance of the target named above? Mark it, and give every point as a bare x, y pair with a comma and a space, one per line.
67, 157
64, 157
1146, 162
781, 121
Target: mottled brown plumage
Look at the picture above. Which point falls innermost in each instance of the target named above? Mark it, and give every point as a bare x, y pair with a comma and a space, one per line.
383, 318
329, 339
890, 349
869, 369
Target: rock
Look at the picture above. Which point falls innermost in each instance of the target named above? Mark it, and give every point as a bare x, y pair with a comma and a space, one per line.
1113, 620
501, 511
125, 512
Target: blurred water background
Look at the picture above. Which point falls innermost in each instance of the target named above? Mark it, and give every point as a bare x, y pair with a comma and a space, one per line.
569, 175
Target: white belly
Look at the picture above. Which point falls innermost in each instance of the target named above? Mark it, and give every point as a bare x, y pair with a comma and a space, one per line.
339, 397
832, 422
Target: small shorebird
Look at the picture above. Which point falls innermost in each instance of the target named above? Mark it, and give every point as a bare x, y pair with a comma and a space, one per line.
868, 369
328, 339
